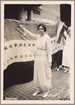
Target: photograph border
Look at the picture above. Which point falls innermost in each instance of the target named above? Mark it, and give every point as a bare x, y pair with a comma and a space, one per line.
1, 53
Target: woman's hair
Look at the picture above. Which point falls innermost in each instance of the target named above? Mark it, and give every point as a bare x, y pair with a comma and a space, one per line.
43, 25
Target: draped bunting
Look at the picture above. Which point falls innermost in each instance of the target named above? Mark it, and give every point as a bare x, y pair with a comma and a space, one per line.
19, 45
18, 50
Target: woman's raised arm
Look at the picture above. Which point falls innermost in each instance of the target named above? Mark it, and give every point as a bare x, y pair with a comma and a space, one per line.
26, 32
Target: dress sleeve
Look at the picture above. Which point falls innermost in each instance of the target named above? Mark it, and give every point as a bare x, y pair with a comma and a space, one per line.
49, 49
28, 34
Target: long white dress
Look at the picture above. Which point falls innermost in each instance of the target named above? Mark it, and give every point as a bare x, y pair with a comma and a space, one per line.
42, 71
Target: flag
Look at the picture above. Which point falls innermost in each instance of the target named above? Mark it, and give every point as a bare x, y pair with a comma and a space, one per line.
60, 31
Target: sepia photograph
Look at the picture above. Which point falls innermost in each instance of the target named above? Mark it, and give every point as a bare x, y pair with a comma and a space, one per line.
37, 52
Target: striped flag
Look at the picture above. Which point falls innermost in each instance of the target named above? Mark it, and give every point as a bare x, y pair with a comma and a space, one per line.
60, 31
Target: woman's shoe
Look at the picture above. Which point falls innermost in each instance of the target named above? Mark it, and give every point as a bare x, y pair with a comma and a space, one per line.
57, 69
36, 92
46, 94
66, 70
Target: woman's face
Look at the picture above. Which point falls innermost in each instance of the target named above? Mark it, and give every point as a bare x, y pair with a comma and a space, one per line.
41, 30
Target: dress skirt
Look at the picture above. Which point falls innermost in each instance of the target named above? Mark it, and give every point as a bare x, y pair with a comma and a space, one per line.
42, 72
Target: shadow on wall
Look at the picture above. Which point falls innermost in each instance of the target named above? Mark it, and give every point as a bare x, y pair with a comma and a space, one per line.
65, 14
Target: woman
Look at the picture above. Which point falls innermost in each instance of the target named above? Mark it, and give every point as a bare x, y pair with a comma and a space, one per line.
67, 51
43, 61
